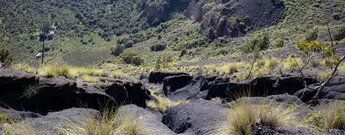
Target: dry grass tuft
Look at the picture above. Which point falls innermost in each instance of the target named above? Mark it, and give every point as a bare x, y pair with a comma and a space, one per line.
342, 69
244, 115
333, 115
19, 129
328, 116
232, 67
323, 75
90, 79
108, 124
69, 71
163, 103
291, 63
24, 67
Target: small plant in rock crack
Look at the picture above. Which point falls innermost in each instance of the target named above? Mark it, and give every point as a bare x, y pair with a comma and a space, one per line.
31, 90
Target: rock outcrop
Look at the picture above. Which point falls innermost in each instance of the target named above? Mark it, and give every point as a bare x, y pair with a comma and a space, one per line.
237, 18
233, 18
199, 117
24, 91
184, 87
158, 77
334, 90
148, 123
262, 86
60, 122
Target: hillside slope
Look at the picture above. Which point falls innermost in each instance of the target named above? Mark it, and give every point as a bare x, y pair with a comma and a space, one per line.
88, 29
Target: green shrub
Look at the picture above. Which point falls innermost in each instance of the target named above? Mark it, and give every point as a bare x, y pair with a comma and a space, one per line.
128, 44
311, 35
340, 34
3, 117
158, 47
5, 55
163, 60
257, 44
131, 58
279, 43
117, 50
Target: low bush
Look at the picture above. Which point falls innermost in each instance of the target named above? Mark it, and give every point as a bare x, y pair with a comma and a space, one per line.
311, 35
158, 47
117, 50
340, 34
163, 61
257, 44
5, 56
279, 43
131, 58
128, 44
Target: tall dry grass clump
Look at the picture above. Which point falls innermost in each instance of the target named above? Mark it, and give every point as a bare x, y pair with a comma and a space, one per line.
328, 116
163, 103
245, 114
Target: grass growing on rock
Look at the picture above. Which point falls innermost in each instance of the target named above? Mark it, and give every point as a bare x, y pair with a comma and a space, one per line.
109, 124
245, 114
231, 68
323, 75
19, 129
69, 71
342, 69
31, 90
163, 103
291, 63
91, 79
24, 67
328, 116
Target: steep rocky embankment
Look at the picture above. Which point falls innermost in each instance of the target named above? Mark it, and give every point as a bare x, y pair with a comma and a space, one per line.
25, 91
61, 106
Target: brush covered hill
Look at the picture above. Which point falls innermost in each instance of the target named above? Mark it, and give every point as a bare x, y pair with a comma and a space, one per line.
89, 31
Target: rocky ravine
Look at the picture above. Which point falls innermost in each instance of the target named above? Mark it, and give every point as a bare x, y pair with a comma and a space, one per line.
58, 101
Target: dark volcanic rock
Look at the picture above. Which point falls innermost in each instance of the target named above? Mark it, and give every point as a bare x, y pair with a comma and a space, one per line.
247, 16
15, 115
158, 77
199, 117
149, 123
13, 79
162, 11
53, 123
172, 83
335, 90
263, 86
197, 88
23, 91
